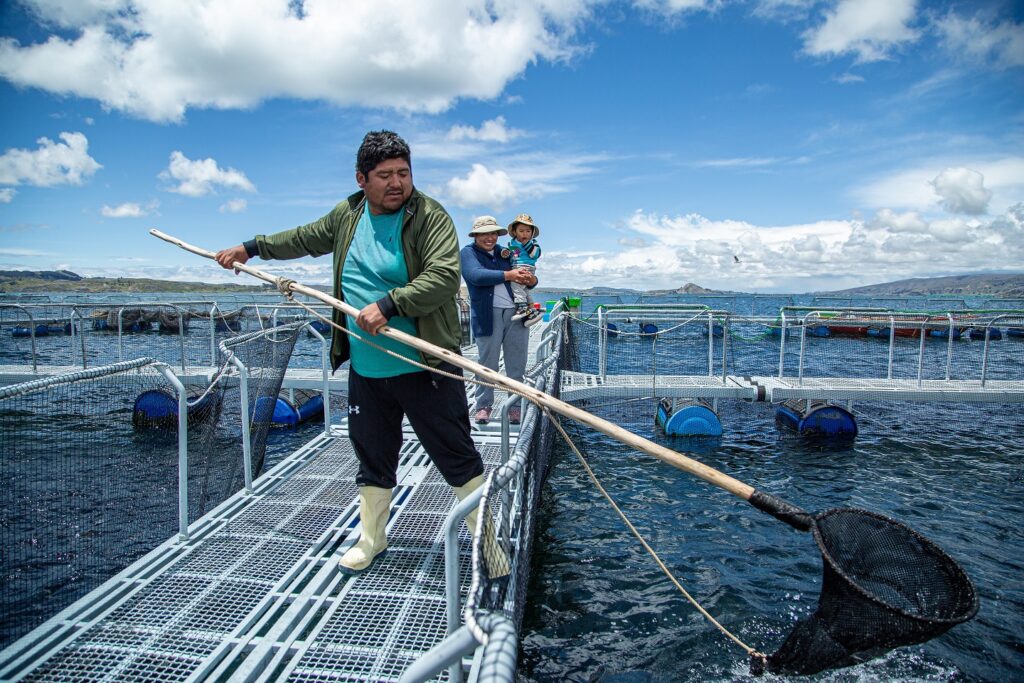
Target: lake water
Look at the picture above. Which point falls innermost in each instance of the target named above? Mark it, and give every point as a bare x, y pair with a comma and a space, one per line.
599, 609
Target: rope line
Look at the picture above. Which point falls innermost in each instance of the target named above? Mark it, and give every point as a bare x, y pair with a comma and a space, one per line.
664, 568
284, 285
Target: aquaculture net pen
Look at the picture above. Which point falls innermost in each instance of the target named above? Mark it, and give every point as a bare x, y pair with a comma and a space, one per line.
85, 493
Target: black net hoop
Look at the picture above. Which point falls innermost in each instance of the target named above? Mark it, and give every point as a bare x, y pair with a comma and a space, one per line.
884, 585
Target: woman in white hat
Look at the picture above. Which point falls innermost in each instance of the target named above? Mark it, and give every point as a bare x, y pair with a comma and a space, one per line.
488, 274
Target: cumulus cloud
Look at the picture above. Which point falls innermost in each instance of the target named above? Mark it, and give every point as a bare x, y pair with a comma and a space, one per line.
155, 59
489, 131
52, 163
666, 251
962, 191
482, 187
126, 210
234, 206
198, 178
887, 219
869, 29
916, 188
7, 194
670, 7
1000, 44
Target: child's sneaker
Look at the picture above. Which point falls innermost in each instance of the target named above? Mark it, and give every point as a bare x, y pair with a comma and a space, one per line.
521, 313
532, 318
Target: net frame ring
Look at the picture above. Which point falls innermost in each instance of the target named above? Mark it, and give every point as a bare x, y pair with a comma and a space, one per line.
957, 583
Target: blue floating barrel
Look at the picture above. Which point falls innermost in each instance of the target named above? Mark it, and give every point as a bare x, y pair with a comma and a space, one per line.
716, 330
321, 327
944, 333
819, 331
158, 409
688, 417
612, 329
282, 412
1015, 332
817, 419
878, 332
979, 333
648, 328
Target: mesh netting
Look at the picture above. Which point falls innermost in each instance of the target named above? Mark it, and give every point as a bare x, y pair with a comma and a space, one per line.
91, 469
74, 508
883, 586
514, 498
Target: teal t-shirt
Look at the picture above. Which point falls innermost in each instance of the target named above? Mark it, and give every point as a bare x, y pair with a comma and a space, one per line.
374, 266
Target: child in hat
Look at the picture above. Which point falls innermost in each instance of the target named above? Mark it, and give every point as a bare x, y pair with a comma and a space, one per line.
523, 251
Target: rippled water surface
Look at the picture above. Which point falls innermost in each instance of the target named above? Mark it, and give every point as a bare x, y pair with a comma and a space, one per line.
599, 608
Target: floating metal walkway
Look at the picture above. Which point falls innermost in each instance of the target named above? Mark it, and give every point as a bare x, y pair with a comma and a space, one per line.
255, 594
579, 385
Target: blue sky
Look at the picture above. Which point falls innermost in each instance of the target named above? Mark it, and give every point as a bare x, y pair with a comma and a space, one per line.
755, 145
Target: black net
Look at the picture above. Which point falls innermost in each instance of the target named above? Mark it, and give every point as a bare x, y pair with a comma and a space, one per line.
501, 572
883, 586
90, 469
85, 493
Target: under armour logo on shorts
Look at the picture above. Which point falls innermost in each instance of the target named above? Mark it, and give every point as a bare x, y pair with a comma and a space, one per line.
353, 410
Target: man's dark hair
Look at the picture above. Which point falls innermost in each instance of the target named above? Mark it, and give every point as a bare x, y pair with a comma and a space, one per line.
378, 146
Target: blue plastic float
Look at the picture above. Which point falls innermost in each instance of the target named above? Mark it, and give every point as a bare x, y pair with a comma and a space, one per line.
688, 417
283, 412
817, 419
321, 327
648, 328
979, 333
612, 329
158, 409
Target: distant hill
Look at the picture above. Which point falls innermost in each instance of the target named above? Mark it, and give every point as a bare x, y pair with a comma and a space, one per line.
66, 281
1006, 285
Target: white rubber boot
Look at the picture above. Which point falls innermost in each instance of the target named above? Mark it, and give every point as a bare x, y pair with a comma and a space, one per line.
374, 505
494, 556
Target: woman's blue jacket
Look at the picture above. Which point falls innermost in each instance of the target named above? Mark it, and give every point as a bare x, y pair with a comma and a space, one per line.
482, 271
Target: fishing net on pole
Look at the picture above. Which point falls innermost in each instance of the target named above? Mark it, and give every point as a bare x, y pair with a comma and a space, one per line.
884, 585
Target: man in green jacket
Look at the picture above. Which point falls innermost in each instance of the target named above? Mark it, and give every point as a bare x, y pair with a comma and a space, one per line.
396, 259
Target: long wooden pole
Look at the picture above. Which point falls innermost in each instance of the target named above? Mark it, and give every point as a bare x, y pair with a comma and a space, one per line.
666, 455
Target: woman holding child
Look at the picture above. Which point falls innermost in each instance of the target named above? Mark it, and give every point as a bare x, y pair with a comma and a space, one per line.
500, 318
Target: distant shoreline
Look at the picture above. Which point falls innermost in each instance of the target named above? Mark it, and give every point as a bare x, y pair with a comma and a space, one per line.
51, 282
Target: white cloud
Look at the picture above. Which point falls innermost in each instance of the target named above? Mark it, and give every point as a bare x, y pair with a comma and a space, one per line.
670, 7
198, 178
847, 78
489, 131
743, 162
909, 222
52, 163
157, 58
870, 29
126, 210
914, 188
482, 187
7, 194
664, 251
234, 206
962, 191
1001, 44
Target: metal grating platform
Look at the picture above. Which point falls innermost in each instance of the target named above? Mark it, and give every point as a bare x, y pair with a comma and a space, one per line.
256, 595
581, 385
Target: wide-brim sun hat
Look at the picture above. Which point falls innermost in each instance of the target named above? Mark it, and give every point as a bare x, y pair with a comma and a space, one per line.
486, 224
525, 219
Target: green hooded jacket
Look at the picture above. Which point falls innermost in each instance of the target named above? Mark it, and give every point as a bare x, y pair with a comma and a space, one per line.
431, 250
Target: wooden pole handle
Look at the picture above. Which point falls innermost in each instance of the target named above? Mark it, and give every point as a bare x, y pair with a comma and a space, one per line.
666, 455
